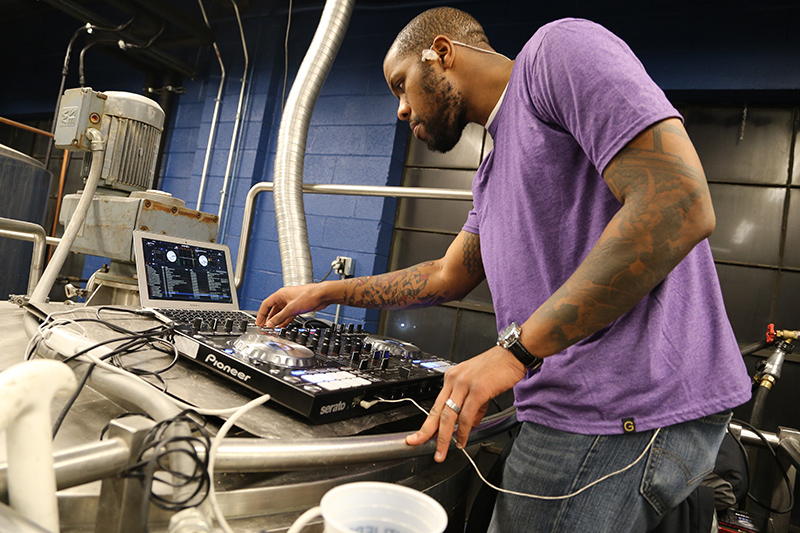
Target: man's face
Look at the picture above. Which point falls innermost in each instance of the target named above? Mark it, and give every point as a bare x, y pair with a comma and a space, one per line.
434, 109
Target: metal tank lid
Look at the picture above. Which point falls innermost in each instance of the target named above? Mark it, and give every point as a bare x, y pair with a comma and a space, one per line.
6, 151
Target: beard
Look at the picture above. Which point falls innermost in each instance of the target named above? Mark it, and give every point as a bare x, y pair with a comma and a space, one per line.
448, 118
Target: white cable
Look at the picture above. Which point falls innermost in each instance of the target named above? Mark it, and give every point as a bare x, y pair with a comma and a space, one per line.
572, 494
525, 495
304, 519
481, 49
212, 453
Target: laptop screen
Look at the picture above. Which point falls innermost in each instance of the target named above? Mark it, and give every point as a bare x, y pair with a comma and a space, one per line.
175, 272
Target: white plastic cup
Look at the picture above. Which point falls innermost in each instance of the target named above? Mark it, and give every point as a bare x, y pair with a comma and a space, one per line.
375, 507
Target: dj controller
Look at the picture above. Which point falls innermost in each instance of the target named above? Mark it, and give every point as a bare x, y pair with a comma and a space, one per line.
321, 371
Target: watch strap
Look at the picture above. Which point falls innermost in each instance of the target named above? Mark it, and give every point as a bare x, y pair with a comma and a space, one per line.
525, 357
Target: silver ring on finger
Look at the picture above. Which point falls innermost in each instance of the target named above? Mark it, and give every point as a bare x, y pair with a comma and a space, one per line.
453, 405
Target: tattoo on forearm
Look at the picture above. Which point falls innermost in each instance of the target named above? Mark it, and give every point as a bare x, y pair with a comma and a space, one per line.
472, 255
402, 289
640, 246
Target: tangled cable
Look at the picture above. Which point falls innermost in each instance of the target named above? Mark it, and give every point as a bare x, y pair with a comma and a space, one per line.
158, 337
166, 445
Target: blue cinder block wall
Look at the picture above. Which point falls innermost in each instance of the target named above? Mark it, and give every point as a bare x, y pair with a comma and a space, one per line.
354, 138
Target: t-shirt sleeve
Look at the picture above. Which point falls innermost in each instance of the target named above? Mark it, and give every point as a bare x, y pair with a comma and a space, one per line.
586, 80
471, 225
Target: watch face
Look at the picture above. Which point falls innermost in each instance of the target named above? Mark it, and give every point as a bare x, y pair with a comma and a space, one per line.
509, 334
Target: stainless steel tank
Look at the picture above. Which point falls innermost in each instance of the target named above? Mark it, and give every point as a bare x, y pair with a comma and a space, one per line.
24, 189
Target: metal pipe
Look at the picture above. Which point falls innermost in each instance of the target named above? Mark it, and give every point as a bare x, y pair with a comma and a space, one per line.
750, 438
25, 127
351, 190
62, 179
292, 137
237, 123
39, 238
214, 117
26, 236
82, 464
259, 455
99, 460
64, 163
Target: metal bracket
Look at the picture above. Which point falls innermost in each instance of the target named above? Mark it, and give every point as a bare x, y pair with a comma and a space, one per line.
120, 503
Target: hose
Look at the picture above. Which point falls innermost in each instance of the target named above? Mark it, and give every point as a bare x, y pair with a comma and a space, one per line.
48, 278
759, 403
292, 137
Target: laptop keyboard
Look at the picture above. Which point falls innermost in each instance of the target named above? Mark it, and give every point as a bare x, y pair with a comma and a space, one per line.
188, 316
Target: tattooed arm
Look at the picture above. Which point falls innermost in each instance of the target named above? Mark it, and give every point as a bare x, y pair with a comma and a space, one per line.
449, 278
666, 210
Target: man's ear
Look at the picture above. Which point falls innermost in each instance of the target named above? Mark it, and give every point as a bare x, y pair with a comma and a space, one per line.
445, 49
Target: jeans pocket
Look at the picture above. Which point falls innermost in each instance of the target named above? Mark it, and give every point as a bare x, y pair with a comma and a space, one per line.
680, 458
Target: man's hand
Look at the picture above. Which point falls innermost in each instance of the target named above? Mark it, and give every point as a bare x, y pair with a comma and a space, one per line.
282, 306
470, 385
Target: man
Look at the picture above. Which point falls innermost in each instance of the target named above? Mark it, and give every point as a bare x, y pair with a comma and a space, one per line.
589, 223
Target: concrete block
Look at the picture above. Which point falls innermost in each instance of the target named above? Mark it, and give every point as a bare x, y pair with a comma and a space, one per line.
329, 205
362, 170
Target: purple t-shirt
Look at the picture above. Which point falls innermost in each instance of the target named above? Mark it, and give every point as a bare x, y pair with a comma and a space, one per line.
577, 95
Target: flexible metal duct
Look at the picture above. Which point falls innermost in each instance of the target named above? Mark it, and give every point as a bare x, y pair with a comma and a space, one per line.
292, 136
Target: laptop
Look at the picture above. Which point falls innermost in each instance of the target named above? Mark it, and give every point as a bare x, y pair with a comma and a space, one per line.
187, 280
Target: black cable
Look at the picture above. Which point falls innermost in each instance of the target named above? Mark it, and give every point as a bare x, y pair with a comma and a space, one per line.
780, 467
64, 410
65, 71
132, 341
135, 343
122, 44
33, 350
81, 77
62, 415
148, 44
326, 275
158, 452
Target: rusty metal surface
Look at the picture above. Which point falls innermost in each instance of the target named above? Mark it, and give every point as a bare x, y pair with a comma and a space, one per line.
112, 219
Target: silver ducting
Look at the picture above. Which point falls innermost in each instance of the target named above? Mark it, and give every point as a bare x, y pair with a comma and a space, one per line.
292, 136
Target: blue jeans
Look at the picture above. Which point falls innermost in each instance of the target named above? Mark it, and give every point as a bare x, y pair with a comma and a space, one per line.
549, 462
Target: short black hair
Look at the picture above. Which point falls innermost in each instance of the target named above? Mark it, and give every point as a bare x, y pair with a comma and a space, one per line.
451, 22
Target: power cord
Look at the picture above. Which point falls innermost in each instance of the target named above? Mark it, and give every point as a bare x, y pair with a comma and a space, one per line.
223, 431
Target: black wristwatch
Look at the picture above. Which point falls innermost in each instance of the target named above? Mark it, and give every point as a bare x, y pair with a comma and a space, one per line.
509, 339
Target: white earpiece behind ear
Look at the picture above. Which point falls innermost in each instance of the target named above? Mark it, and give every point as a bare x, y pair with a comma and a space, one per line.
429, 55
